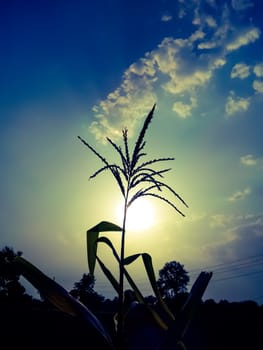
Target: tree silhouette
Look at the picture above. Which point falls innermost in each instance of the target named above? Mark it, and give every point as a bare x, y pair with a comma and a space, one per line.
9, 277
84, 292
173, 279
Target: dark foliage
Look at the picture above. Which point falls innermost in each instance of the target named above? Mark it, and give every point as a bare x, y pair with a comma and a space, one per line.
226, 325
223, 325
36, 324
173, 279
9, 277
84, 292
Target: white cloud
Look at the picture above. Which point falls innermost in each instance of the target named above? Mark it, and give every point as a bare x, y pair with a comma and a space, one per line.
235, 104
166, 18
242, 239
197, 35
186, 83
239, 195
258, 86
258, 70
144, 67
248, 160
184, 110
178, 68
207, 45
202, 19
171, 67
240, 70
219, 62
122, 111
210, 21
244, 39
220, 220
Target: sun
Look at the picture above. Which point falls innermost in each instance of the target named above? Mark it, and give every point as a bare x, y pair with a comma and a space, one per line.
140, 215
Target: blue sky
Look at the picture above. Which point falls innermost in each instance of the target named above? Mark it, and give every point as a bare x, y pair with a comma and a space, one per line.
85, 68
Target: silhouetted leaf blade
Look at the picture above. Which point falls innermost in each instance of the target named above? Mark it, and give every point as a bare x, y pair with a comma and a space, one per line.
109, 275
58, 295
92, 241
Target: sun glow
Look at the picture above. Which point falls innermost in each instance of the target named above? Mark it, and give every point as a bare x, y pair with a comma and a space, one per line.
140, 215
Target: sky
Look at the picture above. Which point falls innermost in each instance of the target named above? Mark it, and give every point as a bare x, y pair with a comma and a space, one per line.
92, 68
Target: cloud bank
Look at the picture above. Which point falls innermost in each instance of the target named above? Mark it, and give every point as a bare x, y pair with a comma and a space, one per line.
179, 68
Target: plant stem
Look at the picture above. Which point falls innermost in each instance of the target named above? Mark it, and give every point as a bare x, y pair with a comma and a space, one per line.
121, 279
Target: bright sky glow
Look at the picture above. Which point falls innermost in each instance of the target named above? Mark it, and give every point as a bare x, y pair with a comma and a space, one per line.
91, 68
140, 215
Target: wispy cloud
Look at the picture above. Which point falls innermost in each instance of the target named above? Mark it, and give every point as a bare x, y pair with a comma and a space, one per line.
241, 239
184, 110
248, 160
258, 86
172, 61
128, 103
178, 67
258, 83
258, 70
221, 220
236, 104
243, 39
207, 45
166, 18
211, 22
240, 70
239, 195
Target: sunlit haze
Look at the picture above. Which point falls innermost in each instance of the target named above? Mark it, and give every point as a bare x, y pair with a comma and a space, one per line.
140, 215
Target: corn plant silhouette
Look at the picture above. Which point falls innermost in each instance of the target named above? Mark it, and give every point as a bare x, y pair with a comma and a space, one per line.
135, 179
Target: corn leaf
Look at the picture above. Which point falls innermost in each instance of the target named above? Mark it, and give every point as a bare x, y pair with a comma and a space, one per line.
147, 260
181, 345
195, 296
130, 259
109, 275
141, 300
137, 292
92, 241
108, 242
178, 328
133, 285
58, 296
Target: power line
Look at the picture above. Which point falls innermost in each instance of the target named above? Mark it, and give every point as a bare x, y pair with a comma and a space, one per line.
226, 268
223, 265
252, 266
238, 276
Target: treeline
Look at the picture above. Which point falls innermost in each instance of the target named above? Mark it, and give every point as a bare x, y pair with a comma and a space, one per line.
226, 325
30, 323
